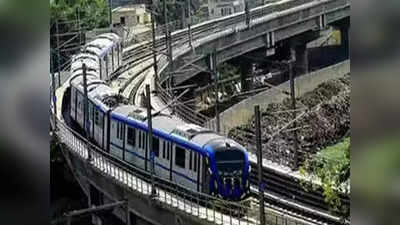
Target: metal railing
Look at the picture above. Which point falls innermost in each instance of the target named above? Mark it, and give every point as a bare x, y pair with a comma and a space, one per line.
200, 205
192, 203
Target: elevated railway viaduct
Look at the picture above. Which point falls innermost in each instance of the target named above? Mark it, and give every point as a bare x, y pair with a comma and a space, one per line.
276, 29
105, 179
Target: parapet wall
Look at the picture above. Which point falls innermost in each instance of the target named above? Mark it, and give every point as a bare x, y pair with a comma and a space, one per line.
241, 113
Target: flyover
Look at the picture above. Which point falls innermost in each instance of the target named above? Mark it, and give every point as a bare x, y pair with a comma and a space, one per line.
285, 24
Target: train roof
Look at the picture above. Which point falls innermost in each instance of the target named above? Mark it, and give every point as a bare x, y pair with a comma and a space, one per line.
102, 44
166, 123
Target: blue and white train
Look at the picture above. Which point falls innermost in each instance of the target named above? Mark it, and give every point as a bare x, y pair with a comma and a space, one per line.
186, 154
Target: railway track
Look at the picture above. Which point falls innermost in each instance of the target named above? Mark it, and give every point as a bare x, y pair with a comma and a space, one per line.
284, 194
139, 53
287, 192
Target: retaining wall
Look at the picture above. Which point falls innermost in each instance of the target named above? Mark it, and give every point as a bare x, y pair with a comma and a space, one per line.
242, 112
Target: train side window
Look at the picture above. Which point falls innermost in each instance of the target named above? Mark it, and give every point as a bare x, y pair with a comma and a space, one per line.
131, 136
156, 146
164, 155
140, 139
195, 162
90, 111
169, 147
190, 160
180, 156
144, 140
96, 118
120, 130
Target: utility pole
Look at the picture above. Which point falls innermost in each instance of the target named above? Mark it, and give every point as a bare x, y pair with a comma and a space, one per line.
171, 67
165, 22
150, 138
247, 12
153, 30
127, 213
86, 109
189, 25
110, 14
167, 41
259, 163
214, 73
54, 100
79, 26
58, 54
183, 18
293, 98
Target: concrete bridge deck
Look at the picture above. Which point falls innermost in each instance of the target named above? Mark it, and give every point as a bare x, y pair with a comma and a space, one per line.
117, 182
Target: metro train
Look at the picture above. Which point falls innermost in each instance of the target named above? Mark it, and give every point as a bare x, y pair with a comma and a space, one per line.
187, 154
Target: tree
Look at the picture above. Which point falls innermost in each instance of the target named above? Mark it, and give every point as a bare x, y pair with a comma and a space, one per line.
332, 167
91, 13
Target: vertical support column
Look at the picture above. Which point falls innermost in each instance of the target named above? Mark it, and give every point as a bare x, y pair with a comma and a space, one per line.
216, 80
344, 38
245, 71
259, 163
301, 65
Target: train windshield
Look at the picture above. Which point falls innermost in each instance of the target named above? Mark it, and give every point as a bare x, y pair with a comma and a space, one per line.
229, 162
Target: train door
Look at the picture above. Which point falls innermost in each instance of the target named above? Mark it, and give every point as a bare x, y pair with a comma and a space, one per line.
101, 69
193, 168
90, 121
79, 110
106, 64
98, 127
112, 59
118, 56
206, 176
181, 162
165, 158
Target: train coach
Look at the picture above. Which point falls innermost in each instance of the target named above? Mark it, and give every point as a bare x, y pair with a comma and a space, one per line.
186, 154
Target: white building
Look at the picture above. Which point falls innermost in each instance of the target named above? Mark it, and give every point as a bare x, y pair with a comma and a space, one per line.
131, 15
219, 8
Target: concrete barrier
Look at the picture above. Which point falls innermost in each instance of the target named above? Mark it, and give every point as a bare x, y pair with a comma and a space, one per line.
242, 112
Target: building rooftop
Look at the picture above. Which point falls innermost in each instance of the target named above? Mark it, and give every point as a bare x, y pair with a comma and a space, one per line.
128, 8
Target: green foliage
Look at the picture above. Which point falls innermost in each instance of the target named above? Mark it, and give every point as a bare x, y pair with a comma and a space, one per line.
227, 70
331, 167
92, 13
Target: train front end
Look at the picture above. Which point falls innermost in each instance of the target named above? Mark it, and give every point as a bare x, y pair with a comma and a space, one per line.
230, 166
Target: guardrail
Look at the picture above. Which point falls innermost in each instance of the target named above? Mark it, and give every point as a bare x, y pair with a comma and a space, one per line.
200, 205
192, 203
